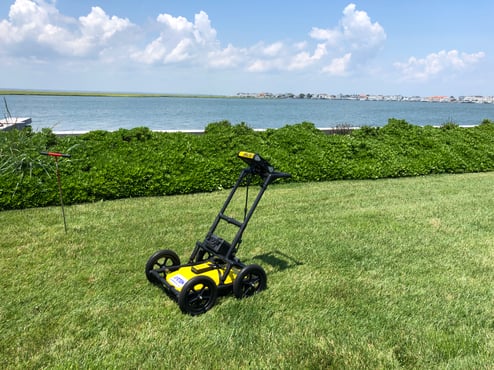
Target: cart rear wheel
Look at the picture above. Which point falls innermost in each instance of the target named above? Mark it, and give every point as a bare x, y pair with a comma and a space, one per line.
250, 280
198, 295
159, 260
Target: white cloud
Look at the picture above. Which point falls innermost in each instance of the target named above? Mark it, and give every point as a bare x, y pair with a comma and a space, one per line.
36, 27
434, 64
339, 66
259, 66
331, 37
35, 31
175, 24
97, 25
304, 59
195, 42
273, 50
180, 40
229, 57
359, 31
352, 43
342, 49
204, 34
27, 19
281, 57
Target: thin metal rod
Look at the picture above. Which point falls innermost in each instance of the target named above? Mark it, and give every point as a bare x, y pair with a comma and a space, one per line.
61, 196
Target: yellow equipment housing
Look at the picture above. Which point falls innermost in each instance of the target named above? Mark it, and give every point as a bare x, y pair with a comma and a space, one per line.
179, 277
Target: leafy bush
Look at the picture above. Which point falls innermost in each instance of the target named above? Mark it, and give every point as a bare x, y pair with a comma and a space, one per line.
139, 162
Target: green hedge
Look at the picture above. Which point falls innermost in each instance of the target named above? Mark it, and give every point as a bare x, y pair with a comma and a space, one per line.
138, 162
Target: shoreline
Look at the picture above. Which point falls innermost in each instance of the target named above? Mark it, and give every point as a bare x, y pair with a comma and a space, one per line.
106, 94
477, 99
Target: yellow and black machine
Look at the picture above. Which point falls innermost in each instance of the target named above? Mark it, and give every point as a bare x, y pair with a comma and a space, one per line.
213, 267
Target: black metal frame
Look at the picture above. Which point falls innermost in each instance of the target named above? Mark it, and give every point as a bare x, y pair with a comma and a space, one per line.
219, 250
215, 249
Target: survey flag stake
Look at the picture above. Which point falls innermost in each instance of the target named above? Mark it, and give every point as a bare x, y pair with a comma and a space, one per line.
57, 155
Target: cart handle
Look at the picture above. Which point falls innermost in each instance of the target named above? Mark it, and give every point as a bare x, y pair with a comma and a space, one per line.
256, 162
260, 166
280, 175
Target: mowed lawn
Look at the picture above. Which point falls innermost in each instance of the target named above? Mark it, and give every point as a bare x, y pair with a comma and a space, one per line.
395, 273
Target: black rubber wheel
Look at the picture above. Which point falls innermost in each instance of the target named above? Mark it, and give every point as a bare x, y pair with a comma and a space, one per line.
160, 259
250, 280
197, 295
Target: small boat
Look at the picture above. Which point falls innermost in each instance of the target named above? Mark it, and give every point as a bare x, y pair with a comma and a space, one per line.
10, 123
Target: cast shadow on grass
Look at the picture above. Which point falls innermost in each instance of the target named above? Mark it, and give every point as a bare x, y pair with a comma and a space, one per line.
279, 261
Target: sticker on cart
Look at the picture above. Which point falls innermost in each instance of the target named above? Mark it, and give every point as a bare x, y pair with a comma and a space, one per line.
178, 280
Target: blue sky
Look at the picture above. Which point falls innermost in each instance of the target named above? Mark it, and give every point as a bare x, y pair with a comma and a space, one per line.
224, 47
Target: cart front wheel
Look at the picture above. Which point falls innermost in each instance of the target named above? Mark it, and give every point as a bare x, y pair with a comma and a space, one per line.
198, 295
250, 280
158, 261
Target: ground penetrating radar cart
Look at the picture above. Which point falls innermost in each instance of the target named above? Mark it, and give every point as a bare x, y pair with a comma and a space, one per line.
213, 267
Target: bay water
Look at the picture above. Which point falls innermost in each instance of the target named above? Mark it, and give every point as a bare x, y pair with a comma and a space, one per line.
88, 113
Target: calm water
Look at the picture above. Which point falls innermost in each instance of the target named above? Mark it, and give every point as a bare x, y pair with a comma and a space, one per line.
110, 113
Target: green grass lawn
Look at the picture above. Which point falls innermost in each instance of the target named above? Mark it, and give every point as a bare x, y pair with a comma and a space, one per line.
361, 274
